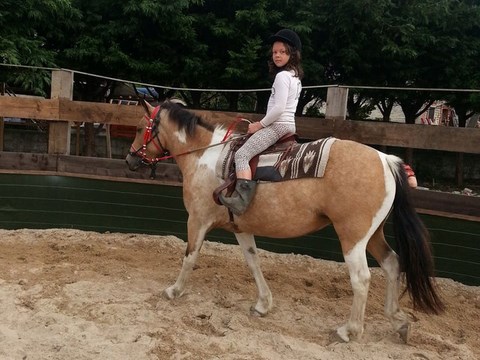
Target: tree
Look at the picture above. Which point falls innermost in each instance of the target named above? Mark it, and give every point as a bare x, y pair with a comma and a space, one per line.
419, 47
206, 45
235, 48
29, 36
352, 50
463, 23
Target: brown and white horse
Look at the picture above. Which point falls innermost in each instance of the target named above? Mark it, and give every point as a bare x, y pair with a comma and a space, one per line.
359, 189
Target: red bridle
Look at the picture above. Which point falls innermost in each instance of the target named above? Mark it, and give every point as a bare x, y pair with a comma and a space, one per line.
151, 134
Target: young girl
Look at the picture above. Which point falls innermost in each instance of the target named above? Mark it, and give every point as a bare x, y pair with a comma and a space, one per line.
279, 120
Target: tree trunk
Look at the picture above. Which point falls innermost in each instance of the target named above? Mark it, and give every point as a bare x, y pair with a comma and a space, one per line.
386, 107
262, 101
233, 101
196, 96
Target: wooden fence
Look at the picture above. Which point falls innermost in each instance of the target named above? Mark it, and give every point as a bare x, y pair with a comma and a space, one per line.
61, 112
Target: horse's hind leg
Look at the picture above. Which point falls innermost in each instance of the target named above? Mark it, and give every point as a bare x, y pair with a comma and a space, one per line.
356, 260
249, 248
196, 235
388, 260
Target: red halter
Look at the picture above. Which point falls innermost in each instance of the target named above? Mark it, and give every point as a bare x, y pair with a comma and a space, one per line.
151, 136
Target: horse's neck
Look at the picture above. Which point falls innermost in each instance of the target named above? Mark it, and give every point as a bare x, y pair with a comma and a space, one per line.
203, 148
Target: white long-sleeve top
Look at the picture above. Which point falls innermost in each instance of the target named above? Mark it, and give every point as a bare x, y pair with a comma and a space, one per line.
283, 100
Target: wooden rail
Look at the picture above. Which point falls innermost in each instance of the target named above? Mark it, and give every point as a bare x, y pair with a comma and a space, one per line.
466, 140
62, 112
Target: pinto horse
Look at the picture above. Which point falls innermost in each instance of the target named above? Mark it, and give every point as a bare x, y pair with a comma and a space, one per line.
359, 189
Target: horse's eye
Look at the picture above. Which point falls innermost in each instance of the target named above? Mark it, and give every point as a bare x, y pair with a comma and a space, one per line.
139, 130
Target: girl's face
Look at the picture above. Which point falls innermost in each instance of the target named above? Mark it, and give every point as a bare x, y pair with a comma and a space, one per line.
280, 55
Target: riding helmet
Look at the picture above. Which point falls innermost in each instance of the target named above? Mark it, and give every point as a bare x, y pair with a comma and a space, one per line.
288, 36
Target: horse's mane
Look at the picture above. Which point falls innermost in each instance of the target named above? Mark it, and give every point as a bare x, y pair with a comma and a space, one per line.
185, 119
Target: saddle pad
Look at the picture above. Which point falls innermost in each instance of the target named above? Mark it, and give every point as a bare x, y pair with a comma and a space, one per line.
304, 160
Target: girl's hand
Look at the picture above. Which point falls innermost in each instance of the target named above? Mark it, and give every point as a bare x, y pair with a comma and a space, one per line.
254, 127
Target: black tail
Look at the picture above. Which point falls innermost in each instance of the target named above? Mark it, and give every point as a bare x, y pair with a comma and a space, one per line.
413, 247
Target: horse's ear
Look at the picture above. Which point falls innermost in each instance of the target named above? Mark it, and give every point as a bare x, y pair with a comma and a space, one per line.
148, 108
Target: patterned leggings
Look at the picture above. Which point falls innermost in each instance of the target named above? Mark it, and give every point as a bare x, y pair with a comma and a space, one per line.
259, 142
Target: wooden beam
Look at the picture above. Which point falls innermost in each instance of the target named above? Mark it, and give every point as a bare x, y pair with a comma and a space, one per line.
393, 134
95, 112
336, 103
447, 203
2, 124
369, 132
315, 128
27, 161
82, 166
2, 132
59, 132
29, 108
60, 109
62, 84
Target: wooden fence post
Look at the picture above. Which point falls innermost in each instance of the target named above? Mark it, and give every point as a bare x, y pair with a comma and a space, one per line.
336, 103
59, 131
2, 122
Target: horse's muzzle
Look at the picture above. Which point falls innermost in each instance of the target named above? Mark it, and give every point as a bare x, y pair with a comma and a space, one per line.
133, 162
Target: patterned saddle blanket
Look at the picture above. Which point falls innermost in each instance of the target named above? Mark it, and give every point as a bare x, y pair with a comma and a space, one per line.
298, 161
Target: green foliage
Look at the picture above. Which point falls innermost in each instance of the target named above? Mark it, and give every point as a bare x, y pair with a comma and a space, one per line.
213, 44
29, 35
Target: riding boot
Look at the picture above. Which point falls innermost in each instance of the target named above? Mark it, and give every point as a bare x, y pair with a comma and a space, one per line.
241, 198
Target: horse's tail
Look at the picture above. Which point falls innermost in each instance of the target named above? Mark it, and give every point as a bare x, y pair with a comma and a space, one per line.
413, 244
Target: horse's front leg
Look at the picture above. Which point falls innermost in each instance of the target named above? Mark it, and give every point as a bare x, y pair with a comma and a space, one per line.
264, 303
196, 235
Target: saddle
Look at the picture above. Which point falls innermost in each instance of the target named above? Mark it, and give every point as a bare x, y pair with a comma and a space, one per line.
270, 173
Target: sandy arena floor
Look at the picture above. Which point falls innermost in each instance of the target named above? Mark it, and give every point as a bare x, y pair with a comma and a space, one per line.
69, 294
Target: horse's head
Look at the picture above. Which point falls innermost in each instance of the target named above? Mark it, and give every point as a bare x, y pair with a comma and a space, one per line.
165, 128
147, 148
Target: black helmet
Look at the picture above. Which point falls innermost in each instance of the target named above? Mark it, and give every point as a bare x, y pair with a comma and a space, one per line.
288, 36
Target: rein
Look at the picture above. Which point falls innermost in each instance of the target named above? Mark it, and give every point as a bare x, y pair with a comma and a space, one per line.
151, 134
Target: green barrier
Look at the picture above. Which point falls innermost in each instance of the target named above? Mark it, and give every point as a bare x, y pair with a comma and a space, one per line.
41, 202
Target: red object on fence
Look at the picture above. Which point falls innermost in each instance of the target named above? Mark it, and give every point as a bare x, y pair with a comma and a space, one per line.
123, 131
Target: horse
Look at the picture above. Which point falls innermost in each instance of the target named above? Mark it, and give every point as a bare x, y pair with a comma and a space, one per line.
359, 189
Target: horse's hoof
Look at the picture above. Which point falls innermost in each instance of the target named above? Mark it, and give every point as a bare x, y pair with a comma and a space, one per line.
172, 293
342, 334
258, 313
404, 332
334, 338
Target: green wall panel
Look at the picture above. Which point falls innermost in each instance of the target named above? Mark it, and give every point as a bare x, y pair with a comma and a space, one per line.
40, 202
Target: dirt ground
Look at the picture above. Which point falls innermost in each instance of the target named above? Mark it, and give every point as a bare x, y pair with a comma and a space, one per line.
69, 294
